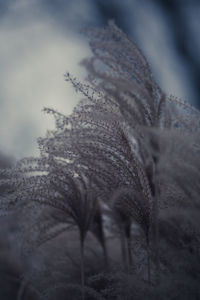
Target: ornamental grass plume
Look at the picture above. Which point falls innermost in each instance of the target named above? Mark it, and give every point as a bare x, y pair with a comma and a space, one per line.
127, 155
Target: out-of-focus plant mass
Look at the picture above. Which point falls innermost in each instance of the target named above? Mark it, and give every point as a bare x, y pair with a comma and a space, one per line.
110, 208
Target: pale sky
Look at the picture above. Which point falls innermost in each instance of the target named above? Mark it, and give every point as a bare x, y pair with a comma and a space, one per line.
34, 55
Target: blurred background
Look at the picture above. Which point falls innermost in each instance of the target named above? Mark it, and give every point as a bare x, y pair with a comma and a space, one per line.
40, 40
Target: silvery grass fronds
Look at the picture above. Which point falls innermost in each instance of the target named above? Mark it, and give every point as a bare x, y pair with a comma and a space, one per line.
176, 179
122, 100
123, 76
176, 160
9, 180
103, 137
104, 151
126, 146
51, 185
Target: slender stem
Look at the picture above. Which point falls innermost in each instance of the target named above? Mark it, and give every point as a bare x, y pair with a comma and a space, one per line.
105, 255
148, 259
123, 248
104, 247
82, 266
156, 241
130, 258
128, 244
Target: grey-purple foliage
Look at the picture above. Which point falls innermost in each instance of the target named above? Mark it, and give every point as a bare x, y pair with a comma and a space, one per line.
124, 165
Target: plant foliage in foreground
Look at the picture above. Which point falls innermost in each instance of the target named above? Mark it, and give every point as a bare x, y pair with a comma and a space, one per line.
122, 171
